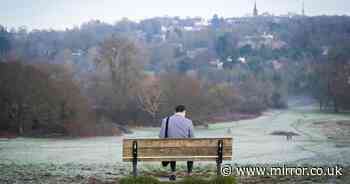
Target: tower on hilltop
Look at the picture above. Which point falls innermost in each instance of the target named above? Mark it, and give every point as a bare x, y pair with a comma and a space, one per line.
255, 11
303, 9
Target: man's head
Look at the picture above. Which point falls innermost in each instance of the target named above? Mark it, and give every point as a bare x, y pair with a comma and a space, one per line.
180, 109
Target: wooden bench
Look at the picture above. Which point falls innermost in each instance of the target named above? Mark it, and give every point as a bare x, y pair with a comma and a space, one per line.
193, 149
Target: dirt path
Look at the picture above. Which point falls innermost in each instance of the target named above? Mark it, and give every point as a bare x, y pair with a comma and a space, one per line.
255, 145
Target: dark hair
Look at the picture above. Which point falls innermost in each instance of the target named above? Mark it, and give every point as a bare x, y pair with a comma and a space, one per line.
180, 108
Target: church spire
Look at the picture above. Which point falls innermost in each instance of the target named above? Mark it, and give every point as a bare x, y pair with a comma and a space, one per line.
255, 12
303, 9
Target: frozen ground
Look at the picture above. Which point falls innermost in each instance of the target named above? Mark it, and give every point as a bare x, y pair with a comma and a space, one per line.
253, 143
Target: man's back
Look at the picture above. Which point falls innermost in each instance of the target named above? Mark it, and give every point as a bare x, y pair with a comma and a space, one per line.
178, 127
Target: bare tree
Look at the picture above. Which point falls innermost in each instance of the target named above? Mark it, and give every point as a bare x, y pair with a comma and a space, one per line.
119, 56
149, 97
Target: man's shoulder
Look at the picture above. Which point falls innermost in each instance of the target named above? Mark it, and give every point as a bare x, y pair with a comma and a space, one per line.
188, 120
165, 118
177, 117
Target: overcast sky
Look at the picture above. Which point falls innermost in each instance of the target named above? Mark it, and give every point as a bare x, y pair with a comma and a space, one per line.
59, 14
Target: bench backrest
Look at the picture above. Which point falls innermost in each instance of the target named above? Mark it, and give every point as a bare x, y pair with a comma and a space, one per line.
196, 149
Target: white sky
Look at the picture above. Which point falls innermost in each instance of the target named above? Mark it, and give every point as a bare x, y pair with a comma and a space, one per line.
59, 14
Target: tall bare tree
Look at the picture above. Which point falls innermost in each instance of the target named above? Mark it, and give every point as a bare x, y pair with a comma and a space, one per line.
149, 96
119, 54
120, 57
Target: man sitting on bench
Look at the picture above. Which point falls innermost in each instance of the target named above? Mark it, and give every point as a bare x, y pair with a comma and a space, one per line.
177, 126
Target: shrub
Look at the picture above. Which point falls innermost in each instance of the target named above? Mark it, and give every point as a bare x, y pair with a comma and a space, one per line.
194, 180
139, 180
187, 180
223, 180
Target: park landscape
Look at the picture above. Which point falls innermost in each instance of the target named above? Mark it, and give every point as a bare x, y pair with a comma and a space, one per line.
56, 159
278, 85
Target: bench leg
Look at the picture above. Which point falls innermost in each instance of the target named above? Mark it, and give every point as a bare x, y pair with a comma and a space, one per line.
218, 168
134, 168
134, 160
219, 159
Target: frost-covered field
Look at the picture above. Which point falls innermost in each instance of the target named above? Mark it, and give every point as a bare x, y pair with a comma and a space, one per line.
252, 143
75, 160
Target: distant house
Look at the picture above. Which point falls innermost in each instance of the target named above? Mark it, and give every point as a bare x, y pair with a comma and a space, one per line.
277, 64
202, 23
267, 40
193, 28
220, 65
267, 36
278, 44
242, 60
188, 28
248, 41
195, 52
266, 14
325, 50
164, 29
217, 64
79, 52
158, 38
140, 35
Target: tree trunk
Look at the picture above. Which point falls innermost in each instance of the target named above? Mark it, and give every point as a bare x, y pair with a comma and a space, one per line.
63, 112
20, 129
19, 120
336, 108
154, 117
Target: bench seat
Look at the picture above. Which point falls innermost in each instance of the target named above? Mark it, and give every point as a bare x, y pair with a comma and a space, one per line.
177, 149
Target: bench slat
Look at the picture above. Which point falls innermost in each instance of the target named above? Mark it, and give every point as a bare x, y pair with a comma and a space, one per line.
194, 142
197, 149
178, 158
200, 151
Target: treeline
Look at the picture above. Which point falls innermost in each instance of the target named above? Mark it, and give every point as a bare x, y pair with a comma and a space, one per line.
329, 79
44, 100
